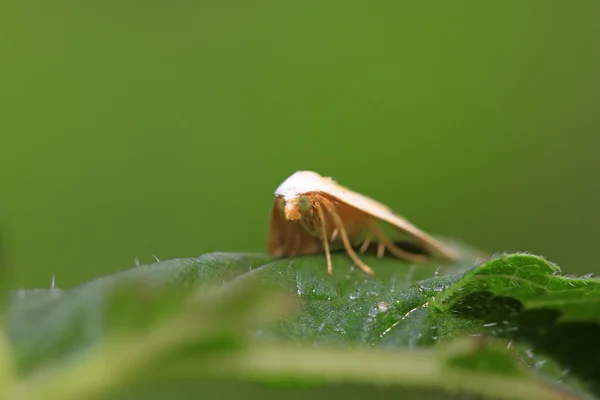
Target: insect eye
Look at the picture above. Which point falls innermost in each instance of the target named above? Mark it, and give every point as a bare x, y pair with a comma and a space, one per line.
304, 203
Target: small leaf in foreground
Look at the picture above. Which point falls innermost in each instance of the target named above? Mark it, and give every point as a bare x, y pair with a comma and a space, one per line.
147, 327
472, 366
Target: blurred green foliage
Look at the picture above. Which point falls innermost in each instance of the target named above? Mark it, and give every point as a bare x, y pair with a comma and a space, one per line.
162, 128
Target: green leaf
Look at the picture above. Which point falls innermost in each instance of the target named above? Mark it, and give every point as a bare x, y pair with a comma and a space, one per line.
397, 327
535, 283
524, 298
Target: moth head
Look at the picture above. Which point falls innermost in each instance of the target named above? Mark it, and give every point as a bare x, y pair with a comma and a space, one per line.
293, 208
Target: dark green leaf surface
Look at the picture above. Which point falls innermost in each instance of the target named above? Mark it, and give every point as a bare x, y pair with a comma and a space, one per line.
350, 306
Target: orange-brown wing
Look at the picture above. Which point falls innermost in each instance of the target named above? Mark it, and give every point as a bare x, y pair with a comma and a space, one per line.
384, 213
289, 238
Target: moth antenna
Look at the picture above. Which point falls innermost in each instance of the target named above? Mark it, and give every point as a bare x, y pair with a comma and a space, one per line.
340, 226
384, 241
324, 236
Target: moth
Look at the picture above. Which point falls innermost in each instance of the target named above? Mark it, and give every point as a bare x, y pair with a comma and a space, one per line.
314, 214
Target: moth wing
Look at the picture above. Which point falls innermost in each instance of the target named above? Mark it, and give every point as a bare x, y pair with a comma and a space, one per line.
288, 238
384, 213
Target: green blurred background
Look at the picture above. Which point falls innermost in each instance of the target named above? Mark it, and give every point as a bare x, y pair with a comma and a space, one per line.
132, 129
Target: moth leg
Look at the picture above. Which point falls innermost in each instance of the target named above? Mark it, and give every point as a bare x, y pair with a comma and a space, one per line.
380, 250
387, 243
324, 236
365, 245
340, 226
334, 234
